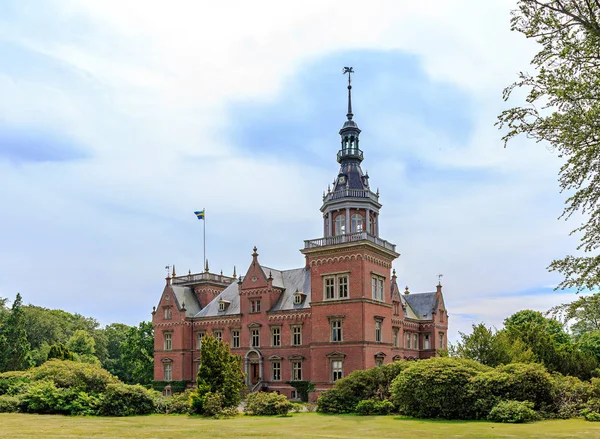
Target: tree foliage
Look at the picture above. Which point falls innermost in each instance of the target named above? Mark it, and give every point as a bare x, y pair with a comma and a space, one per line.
562, 109
15, 351
137, 354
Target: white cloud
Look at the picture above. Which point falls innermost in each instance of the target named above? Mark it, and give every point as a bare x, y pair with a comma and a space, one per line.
150, 87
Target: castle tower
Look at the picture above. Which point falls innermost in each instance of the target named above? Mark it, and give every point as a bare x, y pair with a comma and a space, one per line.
350, 270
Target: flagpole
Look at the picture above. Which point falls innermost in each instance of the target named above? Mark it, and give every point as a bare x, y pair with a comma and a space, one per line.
204, 210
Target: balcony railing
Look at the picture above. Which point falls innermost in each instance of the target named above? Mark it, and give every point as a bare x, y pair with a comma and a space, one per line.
351, 193
350, 153
351, 237
198, 277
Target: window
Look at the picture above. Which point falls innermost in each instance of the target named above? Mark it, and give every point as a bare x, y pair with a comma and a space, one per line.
276, 371
218, 335
426, 342
396, 337
378, 330
297, 299
294, 394
296, 335
340, 224
441, 340
337, 370
343, 286
329, 287
167, 369
336, 330
377, 287
408, 340
378, 361
276, 336
199, 337
396, 308
255, 338
254, 305
416, 341
296, 371
441, 315
357, 223
168, 341
221, 306
235, 338
168, 313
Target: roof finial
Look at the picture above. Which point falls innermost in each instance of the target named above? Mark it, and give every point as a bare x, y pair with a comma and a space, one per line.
349, 70
234, 273
440, 276
206, 267
174, 270
168, 268
406, 290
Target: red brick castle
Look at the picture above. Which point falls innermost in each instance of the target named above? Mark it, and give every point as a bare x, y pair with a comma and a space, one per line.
342, 311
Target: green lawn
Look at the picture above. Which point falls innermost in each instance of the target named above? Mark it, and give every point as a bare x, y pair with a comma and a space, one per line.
299, 425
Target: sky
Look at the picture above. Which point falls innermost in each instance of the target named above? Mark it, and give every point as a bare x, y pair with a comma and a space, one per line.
120, 118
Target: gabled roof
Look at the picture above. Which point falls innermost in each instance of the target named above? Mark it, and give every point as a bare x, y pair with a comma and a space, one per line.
421, 304
185, 295
289, 281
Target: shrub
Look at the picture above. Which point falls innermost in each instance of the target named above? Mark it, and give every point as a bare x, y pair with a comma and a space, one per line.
570, 396
372, 383
515, 381
514, 412
213, 403
437, 388
9, 404
265, 404
126, 400
14, 382
228, 412
180, 403
591, 415
85, 377
176, 386
297, 408
374, 407
44, 397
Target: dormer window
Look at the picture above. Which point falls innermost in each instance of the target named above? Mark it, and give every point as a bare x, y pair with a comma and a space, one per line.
223, 304
299, 297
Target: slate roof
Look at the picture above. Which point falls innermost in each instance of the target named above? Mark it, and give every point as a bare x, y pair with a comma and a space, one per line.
421, 304
289, 281
185, 295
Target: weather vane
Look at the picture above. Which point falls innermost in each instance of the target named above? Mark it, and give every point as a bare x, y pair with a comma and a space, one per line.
440, 276
348, 70
168, 268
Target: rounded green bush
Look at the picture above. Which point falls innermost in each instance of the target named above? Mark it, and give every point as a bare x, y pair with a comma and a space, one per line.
126, 400
514, 412
267, 404
85, 377
374, 407
9, 404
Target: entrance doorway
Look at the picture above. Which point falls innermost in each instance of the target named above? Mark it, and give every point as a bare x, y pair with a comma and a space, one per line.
254, 372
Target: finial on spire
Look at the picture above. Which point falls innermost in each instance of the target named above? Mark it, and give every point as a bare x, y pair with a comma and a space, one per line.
394, 272
174, 270
440, 276
406, 290
349, 70
206, 267
168, 268
254, 251
234, 273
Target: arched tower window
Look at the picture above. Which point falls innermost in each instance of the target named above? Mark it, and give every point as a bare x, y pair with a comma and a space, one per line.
357, 223
340, 224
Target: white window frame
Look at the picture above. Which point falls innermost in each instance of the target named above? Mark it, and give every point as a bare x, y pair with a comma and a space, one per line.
356, 223
168, 341
340, 224
336, 330
408, 340
426, 341
396, 332
218, 334
254, 306
337, 369
296, 370
276, 336
297, 299
221, 306
416, 340
235, 338
255, 335
377, 287
168, 371
296, 335
199, 336
336, 286
378, 331
441, 335
168, 313
276, 370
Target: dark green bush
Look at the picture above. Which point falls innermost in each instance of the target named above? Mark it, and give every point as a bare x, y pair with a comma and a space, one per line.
126, 400
176, 386
9, 404
516, 381
303, 388
265, 404
85, 377
44, 397
571, 396
228, 412
180, 403
437, 388
13, 383
374, 407
372, 383
591, 415
213, 403
514, 412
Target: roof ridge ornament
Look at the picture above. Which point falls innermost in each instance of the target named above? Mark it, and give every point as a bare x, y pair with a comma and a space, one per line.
349, 70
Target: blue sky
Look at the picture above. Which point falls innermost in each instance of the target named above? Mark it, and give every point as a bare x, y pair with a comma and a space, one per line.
118, 119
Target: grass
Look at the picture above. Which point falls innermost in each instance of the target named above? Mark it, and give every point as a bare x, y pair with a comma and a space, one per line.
299, 425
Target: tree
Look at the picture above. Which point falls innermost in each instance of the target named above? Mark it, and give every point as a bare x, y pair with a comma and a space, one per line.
219, 372
562, 109
115, 334
83, 346
585, 312
137, 354
15, 351
60, 352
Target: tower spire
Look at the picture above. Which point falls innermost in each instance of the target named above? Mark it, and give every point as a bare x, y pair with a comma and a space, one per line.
349, 70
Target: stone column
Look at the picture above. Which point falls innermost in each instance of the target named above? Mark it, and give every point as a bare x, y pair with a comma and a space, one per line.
348, 220
330, 224
368, 221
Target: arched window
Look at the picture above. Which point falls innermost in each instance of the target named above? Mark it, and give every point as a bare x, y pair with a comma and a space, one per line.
340, 224
357, 223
